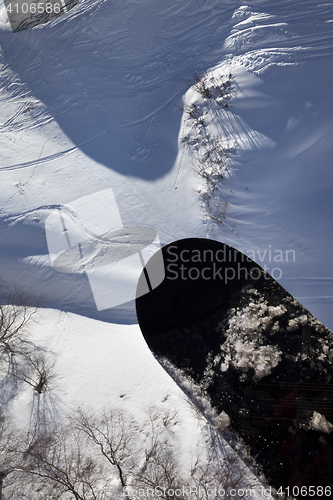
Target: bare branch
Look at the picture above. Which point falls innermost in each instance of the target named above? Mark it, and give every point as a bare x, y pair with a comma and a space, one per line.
35, 369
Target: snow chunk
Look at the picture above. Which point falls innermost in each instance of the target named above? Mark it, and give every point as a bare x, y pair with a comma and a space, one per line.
319, 423
246, 346
262, 359
276, 311
223, 421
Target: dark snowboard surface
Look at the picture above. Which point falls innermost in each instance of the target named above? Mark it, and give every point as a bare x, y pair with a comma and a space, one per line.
257, 353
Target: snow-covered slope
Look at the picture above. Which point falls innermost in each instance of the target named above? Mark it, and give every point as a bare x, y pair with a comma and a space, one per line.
87, 104
279, 191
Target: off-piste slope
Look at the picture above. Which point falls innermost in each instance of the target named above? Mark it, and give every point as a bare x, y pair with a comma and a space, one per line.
87, 104
274, 126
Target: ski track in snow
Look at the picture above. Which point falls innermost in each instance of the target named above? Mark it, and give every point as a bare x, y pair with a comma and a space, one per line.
49, 158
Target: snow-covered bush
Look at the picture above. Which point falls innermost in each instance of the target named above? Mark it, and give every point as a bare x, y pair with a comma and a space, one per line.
210, 154
210, 87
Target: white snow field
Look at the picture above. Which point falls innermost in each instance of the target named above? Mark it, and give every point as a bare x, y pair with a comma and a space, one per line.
87, 105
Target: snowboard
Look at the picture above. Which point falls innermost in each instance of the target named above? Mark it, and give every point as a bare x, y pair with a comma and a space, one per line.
256, 353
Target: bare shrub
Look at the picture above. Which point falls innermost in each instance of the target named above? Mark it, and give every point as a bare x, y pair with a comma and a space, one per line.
211, 156
14, 316
159, 471
161, 474
200, 84
115, 433
216, 211
212, 165
218, 88
7, 450
110, 455
60, 465
214, 469
34, 368
222, 90
24, 360
193, 110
